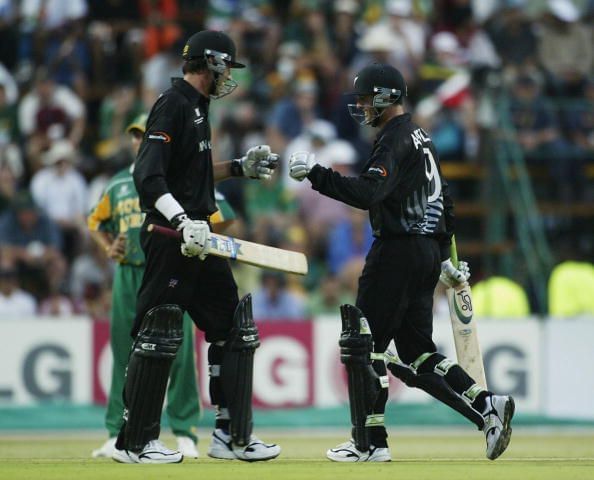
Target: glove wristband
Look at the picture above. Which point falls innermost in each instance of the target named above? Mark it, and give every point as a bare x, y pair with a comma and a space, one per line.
178, 220
236, 168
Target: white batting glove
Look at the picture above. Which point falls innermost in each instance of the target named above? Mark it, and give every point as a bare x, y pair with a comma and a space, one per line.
194, 236
300, 164
259, 162
452, 276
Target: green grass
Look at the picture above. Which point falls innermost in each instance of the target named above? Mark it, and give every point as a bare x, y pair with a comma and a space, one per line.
445, 456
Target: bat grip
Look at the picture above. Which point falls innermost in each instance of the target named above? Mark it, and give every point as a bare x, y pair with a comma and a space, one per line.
454, 252
168, 232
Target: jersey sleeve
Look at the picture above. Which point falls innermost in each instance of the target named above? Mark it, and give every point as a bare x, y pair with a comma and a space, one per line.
155, 154
369, 188
224, 211
100, 214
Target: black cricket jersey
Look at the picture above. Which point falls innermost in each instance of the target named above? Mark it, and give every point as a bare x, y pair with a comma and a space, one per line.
175, 154
401, 185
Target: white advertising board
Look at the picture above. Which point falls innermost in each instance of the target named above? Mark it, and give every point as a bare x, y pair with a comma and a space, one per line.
45, 361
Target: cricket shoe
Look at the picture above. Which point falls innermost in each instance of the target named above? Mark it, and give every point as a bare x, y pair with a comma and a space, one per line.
498, 414
222, 447
153, 452
187, 447
106, 450
348, 452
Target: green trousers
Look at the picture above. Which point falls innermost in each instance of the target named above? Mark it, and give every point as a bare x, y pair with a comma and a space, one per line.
183, 403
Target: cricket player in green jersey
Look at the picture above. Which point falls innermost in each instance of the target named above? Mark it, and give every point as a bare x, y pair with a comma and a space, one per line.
115, 224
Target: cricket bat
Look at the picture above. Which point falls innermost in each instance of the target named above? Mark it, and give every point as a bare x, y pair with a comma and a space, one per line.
247, 252
464, 328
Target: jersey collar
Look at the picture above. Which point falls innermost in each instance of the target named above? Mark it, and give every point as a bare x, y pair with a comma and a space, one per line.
189, 91
405, 117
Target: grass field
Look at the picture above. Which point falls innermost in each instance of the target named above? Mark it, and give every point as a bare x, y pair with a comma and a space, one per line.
448, 455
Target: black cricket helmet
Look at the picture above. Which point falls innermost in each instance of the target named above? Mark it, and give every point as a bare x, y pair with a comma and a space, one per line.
384, 84
218, 51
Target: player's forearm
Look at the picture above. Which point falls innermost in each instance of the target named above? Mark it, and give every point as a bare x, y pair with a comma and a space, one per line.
222, 170
103, 239
358, 192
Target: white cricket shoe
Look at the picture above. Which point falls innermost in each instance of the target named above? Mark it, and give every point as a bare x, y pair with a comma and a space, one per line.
187, 447
498, 414
153, 452
348, 452
106, 450
222, 447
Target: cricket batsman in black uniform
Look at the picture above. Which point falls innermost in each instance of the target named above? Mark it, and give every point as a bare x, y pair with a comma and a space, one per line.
411, 215
175, 177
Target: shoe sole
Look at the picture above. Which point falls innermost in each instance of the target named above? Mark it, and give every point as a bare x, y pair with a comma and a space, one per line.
232, 456
249, 460
158, 462
377, 458
506, 431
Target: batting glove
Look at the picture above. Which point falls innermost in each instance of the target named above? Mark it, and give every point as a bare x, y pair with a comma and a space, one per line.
452, 276
194, 236
300, 164
259, 163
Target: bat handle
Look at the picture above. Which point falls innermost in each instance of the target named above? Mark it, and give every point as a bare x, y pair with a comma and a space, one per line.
454, 252
168, 232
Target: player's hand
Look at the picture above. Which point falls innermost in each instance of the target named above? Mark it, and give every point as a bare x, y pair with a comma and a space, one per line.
259, 162
194, 236
117, 249
452, 276
300, 164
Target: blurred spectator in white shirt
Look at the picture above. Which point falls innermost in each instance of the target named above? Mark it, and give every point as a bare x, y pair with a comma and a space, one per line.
61, 191
14, 302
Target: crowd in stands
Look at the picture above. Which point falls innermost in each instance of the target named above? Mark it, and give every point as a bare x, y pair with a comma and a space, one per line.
74, 73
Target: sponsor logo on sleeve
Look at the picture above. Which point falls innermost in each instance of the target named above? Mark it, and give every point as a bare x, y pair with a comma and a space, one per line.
159, 137
378, 170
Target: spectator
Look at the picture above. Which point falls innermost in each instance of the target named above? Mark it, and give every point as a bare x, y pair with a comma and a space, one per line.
49, 112
448, 110
291, 115
10, 135
514, 36
409, 50
15, 303
349, 239
67, 55
158, 70
91, 274
313, 138
344, 35
61, 191
56, 304
375, 45
320, 213
565, 48
275, 302
8, 183
578, 121
11, 90
118, 110
538, 135
9, 35
328, 298
33, 242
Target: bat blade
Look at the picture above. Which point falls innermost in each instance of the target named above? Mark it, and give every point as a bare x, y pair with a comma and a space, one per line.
257, 254
465, 333
248, 252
